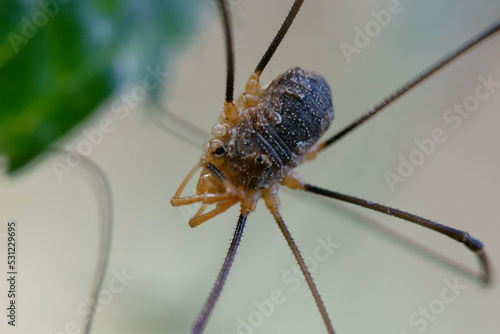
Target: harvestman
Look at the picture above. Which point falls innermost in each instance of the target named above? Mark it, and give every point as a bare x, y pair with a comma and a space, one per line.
267, 132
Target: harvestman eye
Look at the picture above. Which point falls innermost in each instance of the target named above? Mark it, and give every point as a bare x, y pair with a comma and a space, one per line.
219, 152
238, 178
216, 148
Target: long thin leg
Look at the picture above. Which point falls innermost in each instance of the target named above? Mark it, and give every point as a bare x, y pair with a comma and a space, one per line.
272, 204
229, 50
104, 195
279, 37
221, 279
105, 203
173, 124
489, 31
460, 236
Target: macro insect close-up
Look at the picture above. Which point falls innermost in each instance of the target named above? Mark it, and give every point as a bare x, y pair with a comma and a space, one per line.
375, 273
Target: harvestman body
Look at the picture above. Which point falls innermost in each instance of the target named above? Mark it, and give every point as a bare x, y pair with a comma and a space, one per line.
263, 135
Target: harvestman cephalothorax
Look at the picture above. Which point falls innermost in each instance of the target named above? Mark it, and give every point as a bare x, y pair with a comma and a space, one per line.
265, 133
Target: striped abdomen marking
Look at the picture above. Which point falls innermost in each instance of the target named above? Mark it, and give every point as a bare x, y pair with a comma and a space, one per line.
304, 102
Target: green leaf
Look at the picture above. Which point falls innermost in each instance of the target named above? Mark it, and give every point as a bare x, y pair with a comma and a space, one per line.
59, 59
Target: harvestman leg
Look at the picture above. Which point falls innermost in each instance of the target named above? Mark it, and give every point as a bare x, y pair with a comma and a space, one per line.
221, 278
272, 203
460, 236
105, 202
463, 237
487, 32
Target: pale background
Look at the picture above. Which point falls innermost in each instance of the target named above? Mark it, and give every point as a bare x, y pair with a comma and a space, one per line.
373, 282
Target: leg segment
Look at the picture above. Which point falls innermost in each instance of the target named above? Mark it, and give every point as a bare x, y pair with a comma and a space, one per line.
272, 204
221, 207
489, 31
463, 237
221, 278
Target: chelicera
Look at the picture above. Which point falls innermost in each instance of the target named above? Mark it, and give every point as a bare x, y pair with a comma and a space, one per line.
265, 133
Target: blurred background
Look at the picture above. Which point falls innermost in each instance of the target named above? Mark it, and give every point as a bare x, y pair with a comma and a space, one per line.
161, 270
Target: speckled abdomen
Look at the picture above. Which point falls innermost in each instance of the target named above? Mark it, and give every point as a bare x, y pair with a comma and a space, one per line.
292, 114
304, 102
